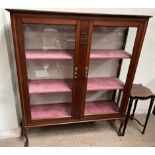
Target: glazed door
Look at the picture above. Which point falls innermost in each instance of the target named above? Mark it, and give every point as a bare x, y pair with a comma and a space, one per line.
111, 46
50, 57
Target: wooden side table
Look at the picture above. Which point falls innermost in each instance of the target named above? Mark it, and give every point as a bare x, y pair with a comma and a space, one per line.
138, 92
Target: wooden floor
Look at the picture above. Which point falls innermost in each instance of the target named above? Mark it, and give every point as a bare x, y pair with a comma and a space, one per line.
87, 134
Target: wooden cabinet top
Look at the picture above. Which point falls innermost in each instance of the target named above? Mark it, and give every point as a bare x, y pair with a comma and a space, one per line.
77, 14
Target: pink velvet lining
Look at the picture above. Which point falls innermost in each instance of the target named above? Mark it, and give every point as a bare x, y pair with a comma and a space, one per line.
59, 110
65, 85
100, 107
50, 86
46, 111
68, 54
48, 54
104, 83
106, 54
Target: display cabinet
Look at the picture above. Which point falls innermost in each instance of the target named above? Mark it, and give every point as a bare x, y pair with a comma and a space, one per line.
75, 67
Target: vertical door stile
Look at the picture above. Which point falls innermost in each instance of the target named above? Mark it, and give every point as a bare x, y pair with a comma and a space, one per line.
22, 73
81, 63
86, 35
76, 75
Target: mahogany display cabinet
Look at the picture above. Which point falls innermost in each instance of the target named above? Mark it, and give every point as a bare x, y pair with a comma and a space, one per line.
75, 67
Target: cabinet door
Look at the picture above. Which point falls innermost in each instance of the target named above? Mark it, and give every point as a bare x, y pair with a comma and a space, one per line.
50, 57
111, 47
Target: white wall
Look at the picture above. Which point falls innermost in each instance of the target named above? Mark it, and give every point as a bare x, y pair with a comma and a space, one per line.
8, 115
8, 89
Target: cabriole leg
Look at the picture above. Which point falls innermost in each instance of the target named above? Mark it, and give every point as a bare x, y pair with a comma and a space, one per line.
24, 131
120, 128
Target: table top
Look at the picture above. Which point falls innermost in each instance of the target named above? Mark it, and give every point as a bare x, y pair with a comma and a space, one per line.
140, 91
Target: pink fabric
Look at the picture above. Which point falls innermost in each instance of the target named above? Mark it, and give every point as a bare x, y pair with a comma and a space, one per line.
106, 54
49, 54
65, 85
100, 107
50, 86
68, 54
46, 111
104, 83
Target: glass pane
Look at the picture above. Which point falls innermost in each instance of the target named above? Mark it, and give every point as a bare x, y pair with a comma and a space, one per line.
49, 53
108, 52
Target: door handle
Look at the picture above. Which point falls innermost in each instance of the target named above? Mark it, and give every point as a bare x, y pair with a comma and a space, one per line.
86, 72
75, 73
84, 38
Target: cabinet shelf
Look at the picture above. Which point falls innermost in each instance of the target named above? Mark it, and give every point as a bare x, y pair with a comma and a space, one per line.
49, 54
100, 107
108, 54
104, 83
50, 86
47, 111
68, 54
65, 85
60, 110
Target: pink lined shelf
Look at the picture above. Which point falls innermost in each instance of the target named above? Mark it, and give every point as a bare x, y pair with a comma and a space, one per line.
39, 54
60, 110
104, 83
50, 86
49, 54
100, 107
47, 111
107, 54
65, 85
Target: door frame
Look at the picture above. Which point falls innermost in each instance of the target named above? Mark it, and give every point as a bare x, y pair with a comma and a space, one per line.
17, 21
141, 25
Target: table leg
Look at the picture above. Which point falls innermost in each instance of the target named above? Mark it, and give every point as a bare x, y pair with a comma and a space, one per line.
148, 115
127, 115
134, 109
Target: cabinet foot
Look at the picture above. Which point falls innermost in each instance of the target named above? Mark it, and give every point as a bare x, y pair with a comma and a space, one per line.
24, 131
120, 132
26, 140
